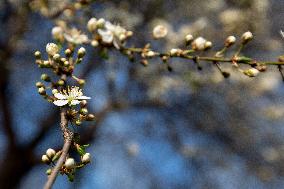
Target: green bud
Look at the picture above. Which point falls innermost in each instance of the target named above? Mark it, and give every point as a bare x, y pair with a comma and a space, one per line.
78, 122
84, 111
48, 171
81, 82
60, 82
79, 60
45, 77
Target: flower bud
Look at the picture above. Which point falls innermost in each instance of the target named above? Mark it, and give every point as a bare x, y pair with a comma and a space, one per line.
37, 55
48, 171
160, 32
81, 52
144, 62
78, 122
92, 24
101, 23
252, 72
188, 38
81, 82
50, 153
56, 57
90, 117
70, 163
45, 77
68, 52
230, 41
83, 103
41, 91
122, 37
207, 45
175, 52
86, 158
84, 111
150, 54
199, 44
39, 84
54, 91
45, 159
60, 82
246, 37
94, 43
52, 49
66, 63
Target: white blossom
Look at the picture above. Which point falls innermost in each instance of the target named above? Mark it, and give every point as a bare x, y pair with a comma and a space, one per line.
72, 96
57, 33
112, 34
75, 36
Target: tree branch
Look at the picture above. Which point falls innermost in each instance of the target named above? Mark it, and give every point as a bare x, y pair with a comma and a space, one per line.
68, 137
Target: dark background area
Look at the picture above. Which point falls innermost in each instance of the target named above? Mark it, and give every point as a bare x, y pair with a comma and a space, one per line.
154, 129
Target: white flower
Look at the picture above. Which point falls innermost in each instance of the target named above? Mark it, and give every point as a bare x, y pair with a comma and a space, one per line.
112, 34
160, 32
71, 96
52, 49
70, 163
75, 36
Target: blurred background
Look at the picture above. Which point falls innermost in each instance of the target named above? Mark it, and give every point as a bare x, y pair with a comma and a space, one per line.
154, 128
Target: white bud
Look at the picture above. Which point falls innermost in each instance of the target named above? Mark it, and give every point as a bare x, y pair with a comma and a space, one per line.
86, 158
198, 44
160, 32
122, 37
150, 54
246, 37
252, 72
230, 41
81, 52
188, 38
57, 33
207, 45
50, 152
70, 163
129, 33
101, 23
52, 49
45, 159
94, 43
92, 24
175, 52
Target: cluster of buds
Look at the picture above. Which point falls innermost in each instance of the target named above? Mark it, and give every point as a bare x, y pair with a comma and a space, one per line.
63, 67
50, 156
69, 167
107, 33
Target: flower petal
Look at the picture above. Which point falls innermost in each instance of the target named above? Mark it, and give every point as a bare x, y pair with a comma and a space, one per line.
107, 36
83, 98
60, 96
60, 102
74, 102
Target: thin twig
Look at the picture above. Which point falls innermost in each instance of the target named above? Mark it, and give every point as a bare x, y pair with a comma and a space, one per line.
68, 137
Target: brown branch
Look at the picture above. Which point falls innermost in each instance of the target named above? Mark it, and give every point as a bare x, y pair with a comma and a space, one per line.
68, 137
